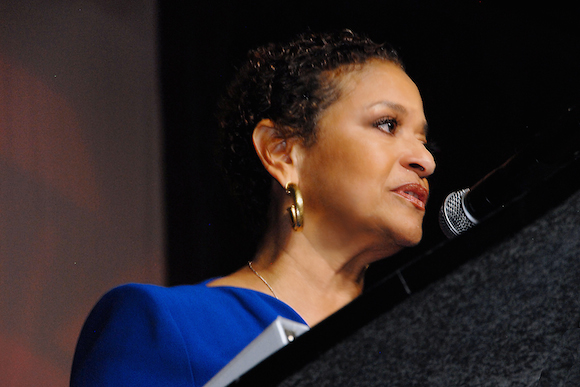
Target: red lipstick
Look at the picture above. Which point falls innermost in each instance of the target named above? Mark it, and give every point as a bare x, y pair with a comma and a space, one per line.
414, 193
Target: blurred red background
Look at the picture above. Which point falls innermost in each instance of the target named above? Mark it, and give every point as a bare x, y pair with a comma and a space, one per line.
80, 173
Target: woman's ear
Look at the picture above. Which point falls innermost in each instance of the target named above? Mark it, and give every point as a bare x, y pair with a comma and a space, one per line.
275, 152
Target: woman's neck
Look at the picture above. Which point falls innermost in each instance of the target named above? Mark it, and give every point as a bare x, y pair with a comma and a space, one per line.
314, 271
314, 280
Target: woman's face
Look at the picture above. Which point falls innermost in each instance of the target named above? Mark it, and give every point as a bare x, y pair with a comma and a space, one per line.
365, 177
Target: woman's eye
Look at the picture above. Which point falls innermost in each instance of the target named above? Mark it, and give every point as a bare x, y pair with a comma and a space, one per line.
388, 125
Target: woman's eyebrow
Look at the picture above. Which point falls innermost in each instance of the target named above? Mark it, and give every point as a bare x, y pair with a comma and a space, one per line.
393, 105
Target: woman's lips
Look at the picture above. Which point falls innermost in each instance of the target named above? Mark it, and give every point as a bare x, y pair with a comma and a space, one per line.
414, 193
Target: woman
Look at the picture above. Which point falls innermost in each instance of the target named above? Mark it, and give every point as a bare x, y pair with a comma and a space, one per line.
330, 132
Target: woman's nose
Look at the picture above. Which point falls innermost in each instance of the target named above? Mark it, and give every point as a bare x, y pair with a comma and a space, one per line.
419, 160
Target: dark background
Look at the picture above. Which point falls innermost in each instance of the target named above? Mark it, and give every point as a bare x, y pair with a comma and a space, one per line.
491, 78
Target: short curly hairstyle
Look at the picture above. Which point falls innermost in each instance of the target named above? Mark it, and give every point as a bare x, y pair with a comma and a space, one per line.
290, 84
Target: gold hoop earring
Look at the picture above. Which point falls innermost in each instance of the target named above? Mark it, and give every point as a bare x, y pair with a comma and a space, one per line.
296, 210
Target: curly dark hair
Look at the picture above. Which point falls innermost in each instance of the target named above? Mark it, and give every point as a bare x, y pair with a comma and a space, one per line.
290, 84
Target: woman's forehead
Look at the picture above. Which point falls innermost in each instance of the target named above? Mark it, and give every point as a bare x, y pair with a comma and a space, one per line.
380, 83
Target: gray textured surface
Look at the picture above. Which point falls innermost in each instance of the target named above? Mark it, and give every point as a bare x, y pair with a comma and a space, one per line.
509, 317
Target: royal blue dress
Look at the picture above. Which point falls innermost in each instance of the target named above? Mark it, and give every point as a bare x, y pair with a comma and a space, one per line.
146, 335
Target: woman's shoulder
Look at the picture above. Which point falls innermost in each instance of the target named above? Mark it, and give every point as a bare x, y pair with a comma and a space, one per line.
125, 335
199, 296
189, 303
154, 292
196, 329
136, 297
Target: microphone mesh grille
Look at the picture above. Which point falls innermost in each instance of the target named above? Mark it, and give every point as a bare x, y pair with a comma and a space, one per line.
452, 217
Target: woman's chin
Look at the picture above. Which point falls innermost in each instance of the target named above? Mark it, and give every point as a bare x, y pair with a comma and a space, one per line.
410, 238
396, 243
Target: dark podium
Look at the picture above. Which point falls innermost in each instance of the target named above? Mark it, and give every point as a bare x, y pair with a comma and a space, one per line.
498, 306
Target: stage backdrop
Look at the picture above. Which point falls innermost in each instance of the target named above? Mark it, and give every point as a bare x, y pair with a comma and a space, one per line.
80, 185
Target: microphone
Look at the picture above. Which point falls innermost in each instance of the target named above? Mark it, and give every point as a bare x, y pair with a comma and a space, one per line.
547, 153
